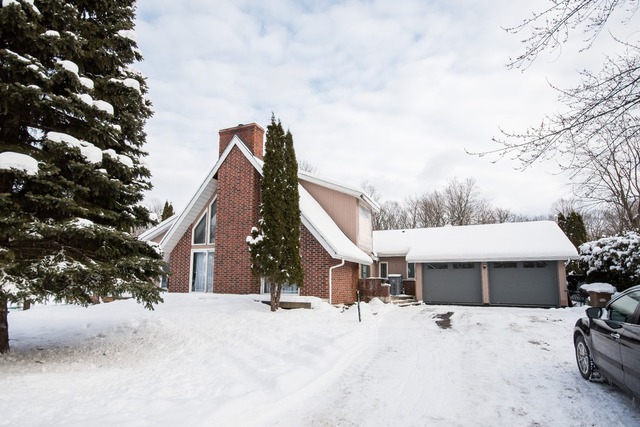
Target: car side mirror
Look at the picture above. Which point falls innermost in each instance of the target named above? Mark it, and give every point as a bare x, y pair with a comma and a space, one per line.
594, 312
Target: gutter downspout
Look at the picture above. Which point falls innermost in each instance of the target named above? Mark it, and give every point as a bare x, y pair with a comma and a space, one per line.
331, 279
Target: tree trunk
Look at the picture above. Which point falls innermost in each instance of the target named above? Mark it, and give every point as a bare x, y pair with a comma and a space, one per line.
4, 326
272, 289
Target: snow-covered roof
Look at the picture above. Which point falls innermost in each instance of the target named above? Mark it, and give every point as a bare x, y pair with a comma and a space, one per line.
159, 229
319, 223
537, 240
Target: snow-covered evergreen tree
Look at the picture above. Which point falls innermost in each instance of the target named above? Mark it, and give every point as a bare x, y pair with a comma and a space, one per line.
614, 260
72, 112
275, 243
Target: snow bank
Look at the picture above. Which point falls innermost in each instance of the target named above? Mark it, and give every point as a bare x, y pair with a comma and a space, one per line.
222, 360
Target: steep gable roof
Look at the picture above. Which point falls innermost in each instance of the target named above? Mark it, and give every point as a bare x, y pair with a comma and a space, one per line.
523, 241
313, 216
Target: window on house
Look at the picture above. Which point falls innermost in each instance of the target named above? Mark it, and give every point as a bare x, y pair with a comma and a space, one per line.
202, 271
411, 270
534, 264
164, 280
384, 270
438, 266
508, 264
212, 222
364, 271
288, 289
205, 230
200, 231
464, 265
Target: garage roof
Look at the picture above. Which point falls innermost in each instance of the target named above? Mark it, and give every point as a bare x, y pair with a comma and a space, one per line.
522, 241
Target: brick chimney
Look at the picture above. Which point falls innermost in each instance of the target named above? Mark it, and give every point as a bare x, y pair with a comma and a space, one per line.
252, 135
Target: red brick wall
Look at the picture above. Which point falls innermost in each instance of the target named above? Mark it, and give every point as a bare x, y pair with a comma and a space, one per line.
316, 262
180, 264
374, 288
238, 210
409, 286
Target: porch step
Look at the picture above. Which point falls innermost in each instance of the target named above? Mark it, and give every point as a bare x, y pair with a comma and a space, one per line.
404, 300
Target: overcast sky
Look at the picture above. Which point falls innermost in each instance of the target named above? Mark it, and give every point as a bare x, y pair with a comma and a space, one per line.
389, 92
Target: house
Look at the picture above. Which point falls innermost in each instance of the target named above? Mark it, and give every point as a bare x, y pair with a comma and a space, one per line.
493, 264
205, 245
206, 251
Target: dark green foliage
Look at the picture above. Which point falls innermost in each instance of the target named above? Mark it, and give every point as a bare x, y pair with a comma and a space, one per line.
614, 260
167, 211
275, 243
574, 228
65, 231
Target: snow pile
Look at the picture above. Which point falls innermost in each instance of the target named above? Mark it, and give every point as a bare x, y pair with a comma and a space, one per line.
22, 162
90, 152
203, 359
603, 288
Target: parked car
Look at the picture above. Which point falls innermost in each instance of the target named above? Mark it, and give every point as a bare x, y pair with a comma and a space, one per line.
607, 341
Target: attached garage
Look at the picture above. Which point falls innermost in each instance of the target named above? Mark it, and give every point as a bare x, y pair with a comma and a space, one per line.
493, 264
524, 283
453, 282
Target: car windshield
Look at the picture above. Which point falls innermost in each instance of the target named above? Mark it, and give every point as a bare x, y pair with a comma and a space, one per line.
623, 308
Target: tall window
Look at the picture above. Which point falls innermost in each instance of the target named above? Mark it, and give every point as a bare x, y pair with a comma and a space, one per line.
411, 270
202, 271
364, 271
212, 222
205, 230
384, 270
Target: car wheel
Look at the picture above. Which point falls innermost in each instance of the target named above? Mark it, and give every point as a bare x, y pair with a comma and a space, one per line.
583, 357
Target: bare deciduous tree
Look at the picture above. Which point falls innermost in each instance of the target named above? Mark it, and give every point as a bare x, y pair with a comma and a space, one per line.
596, 138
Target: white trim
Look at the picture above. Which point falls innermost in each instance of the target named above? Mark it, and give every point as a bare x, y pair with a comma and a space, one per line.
206, 259
331, 279
193, 229
342, 188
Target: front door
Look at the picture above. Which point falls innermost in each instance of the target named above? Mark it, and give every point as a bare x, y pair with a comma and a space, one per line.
202, 271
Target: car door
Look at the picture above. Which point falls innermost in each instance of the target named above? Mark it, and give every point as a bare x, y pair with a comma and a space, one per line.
615, 340
605, 343
630, 348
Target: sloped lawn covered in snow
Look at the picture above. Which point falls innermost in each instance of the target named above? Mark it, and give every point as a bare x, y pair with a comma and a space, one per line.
227, 360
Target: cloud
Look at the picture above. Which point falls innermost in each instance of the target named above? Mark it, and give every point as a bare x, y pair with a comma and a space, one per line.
389, 92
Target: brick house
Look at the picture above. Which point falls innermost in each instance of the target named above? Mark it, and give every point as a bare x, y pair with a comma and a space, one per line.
205, 245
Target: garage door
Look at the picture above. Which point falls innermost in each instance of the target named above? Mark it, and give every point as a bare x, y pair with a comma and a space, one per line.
452, 283
524, 283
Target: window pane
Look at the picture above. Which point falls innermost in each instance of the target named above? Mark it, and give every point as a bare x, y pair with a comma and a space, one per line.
200, 232
199, 272
438, 266
622, 309
212, 223
210, 271
383, 269
464, 265
534, 264
504, 265
411, 270
364, 271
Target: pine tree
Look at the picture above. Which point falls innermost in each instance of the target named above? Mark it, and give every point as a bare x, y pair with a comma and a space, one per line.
167, 211
72, 112
275, 243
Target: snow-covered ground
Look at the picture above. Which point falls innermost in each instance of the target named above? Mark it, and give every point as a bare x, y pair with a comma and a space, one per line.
224, 360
